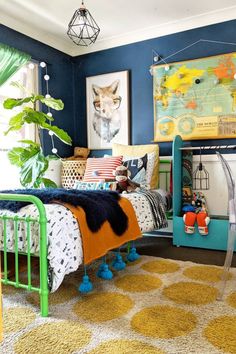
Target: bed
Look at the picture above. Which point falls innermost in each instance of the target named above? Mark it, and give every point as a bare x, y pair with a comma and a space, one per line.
51, 232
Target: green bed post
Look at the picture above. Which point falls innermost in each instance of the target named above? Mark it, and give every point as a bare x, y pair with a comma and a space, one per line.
42, 220
43, 257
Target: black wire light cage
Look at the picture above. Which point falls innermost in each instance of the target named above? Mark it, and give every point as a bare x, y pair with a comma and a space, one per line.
83, 29
201, 176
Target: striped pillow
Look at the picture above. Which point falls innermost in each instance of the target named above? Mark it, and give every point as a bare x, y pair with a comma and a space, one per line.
101, 168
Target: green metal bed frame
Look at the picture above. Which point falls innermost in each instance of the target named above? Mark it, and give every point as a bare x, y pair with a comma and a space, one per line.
43, 250
42, 290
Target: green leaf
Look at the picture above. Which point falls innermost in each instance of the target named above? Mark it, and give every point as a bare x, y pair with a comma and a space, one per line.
53, 103
32, 169
60, 133
17, 119
37, 183
10, 103
29, 142
48, 183
19, 155
37, 98
13, 128
32, 116
15, 156
52, 157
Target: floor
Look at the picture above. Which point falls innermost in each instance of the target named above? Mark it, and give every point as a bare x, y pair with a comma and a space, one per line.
162, 247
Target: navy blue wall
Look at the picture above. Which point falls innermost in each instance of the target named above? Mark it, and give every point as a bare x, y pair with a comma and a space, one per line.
60, 69
137, 58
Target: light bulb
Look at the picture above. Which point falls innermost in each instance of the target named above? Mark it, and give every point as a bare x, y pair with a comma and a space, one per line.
42, 64
49, 114
54, 150
31, 66
46, 77
50, 133
47, 95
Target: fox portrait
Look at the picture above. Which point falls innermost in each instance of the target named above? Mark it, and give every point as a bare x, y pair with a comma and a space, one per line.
106, 102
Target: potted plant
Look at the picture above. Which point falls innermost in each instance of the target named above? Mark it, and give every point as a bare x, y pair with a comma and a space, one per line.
30, 157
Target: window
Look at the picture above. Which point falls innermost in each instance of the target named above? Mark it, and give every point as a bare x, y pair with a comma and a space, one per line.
28, 77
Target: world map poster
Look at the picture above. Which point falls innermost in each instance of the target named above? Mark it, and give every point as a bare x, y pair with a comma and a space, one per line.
195, 99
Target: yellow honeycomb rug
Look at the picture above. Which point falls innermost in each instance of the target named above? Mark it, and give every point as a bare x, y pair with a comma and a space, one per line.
157, 306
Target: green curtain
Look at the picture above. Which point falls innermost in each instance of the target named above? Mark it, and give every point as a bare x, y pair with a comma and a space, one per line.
11, 60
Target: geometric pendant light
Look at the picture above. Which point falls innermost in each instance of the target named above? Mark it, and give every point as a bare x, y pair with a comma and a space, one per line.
83, 29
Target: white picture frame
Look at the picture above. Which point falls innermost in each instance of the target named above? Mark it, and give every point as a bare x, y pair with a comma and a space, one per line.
107, 98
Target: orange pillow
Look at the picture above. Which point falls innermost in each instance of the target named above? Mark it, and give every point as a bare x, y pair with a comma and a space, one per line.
101, 168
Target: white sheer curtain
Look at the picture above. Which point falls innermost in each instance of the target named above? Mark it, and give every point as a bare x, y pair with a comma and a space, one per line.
28, 77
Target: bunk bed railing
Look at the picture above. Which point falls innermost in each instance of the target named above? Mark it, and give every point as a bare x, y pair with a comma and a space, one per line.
43, 266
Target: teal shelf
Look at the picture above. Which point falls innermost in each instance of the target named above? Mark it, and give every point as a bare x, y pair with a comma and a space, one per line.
216, 239
218, 227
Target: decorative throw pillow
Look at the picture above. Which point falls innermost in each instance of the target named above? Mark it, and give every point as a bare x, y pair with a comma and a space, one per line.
135, 151
138, 169
89, 186
101, 168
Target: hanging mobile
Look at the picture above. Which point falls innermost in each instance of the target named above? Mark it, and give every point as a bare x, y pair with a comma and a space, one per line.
200, 176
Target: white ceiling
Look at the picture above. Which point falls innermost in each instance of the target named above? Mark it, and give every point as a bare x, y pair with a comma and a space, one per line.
121, 21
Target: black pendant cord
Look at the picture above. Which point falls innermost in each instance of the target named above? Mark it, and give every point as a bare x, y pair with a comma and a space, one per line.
200, 163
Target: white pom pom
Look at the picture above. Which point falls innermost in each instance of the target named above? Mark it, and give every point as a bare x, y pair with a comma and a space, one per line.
47, 95
31, 66
54, 150
46, 77
167, 68
50, 133
49, 114
42, 64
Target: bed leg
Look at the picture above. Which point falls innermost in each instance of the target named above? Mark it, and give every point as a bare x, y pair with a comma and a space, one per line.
44, 304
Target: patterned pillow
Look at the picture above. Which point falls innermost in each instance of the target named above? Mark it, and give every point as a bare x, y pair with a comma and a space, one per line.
101, 168
149, 169
135, 151
89, 186
138, 169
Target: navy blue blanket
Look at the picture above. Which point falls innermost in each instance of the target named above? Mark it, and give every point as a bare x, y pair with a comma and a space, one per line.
99, 206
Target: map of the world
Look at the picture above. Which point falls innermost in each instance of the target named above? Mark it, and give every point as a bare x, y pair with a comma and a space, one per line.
195, 99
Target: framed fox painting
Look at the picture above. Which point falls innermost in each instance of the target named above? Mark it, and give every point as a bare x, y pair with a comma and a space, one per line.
107, 109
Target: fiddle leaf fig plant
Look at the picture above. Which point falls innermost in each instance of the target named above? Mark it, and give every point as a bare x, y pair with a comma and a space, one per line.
30, 157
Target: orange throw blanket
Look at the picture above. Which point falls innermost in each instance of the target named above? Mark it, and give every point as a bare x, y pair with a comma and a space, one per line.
97, 244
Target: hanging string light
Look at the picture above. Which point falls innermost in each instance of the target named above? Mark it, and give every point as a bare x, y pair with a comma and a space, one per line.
46, 77
83, 29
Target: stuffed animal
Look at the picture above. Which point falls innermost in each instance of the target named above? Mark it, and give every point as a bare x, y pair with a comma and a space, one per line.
81, 152
196, 212
124, 184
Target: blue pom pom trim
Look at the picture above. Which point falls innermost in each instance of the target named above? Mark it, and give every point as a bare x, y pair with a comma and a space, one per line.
133, 255
118, 263
86, 285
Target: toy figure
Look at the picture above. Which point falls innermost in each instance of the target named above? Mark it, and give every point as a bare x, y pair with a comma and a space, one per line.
196, 212
124, 184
